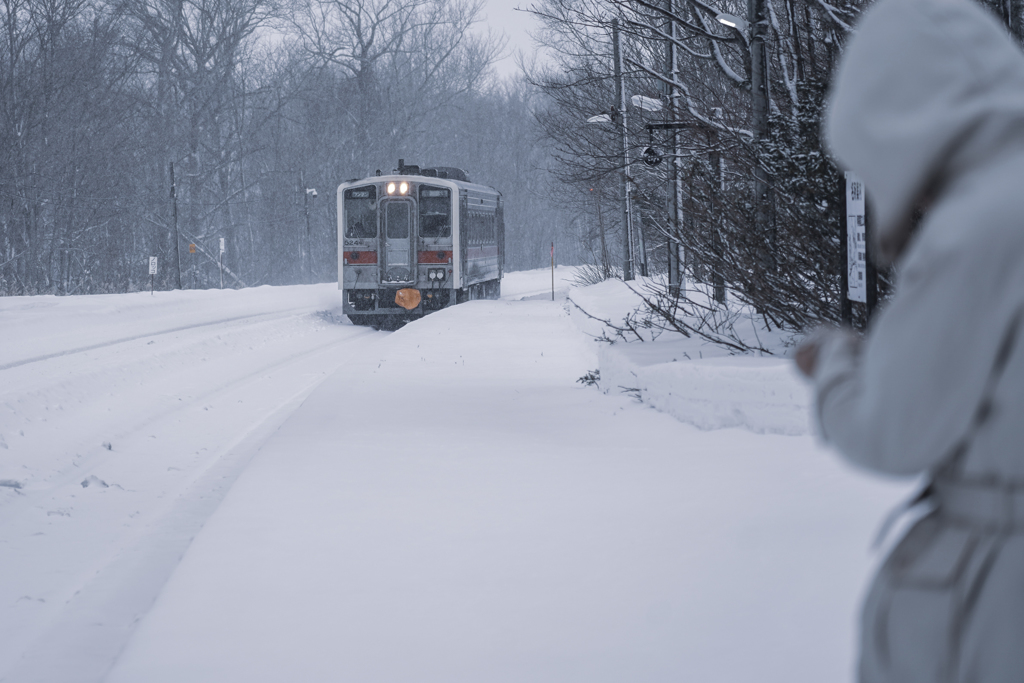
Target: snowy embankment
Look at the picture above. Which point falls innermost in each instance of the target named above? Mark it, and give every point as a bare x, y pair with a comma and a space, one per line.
289, 498
695, 381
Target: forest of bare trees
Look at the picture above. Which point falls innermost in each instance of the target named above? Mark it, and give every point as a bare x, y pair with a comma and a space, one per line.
135, 128
746, 196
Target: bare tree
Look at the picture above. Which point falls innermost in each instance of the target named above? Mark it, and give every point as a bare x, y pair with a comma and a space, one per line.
757, 202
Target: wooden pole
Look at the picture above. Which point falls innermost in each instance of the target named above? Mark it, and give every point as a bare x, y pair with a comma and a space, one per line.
174, 201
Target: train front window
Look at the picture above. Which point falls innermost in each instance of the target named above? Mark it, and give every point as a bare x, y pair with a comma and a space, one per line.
398, 220
435, 211
361, 212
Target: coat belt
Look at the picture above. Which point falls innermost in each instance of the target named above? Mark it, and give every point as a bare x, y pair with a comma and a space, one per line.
993, 506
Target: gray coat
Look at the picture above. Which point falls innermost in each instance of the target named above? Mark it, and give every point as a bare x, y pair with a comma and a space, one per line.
929, 100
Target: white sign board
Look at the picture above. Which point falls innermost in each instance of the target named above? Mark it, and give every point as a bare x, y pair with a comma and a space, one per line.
222, 249
152, 265
856, 240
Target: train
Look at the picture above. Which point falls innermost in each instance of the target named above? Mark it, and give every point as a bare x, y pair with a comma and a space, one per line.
417, 241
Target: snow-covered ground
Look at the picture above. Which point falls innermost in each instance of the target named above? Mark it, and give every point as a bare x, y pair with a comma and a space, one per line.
235, 486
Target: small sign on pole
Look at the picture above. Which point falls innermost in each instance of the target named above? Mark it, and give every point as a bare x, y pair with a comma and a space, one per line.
222, 249
152, 274
191, 248
856, 240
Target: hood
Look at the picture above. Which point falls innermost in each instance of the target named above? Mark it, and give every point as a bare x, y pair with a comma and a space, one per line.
926, 91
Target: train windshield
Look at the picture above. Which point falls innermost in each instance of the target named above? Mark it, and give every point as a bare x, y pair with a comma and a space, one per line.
435, 211
361, 212
398, 220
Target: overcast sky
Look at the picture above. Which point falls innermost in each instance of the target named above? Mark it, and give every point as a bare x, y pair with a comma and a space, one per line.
502, 16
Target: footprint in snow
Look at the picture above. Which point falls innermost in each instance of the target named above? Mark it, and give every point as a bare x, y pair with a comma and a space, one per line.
93, 480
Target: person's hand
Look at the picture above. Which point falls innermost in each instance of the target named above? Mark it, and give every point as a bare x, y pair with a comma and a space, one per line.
806, 356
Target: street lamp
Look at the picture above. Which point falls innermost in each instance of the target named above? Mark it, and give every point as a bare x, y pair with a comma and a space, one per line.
732, 21
646, 103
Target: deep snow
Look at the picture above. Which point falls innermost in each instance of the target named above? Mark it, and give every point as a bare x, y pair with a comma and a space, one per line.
448, 504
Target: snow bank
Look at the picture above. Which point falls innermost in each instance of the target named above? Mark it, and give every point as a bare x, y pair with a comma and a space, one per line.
693, 380
527, 284
764, 395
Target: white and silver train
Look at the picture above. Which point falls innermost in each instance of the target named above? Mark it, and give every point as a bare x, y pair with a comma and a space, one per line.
416, 241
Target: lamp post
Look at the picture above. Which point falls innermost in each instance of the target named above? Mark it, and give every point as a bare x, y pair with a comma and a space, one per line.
619, 116
676, 287
755, 22
627, 204
310, 194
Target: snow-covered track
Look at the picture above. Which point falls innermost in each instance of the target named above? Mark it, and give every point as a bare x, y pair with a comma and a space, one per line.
115, 452
145, 335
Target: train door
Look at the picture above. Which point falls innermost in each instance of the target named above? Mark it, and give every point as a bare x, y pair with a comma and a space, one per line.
397, 241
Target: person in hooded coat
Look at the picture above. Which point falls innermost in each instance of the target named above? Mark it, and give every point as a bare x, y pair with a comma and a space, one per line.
928, 108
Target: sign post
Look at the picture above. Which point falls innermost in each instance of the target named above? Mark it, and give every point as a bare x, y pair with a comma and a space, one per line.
552, 271
152, 275
192, 251
856, 240
861, 281
221, 263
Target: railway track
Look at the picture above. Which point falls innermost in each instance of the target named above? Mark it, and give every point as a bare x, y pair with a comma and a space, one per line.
126, 446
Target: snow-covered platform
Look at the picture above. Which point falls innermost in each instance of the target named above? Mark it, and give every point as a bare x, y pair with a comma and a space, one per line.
457, 508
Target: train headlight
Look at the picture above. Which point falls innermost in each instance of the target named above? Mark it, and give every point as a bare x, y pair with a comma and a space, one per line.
391, 188
403, 188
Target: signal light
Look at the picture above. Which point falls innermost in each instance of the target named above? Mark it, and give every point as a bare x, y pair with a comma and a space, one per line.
403, 188
391, 188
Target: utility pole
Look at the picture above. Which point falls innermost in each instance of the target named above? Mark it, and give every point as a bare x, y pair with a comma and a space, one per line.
717, 215
759, 102
605, 265
676, 286
641, 245
174, 204
627, 205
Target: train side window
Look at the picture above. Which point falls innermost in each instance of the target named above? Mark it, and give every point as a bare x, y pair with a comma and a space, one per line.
361, 212
435, 211
481, 228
